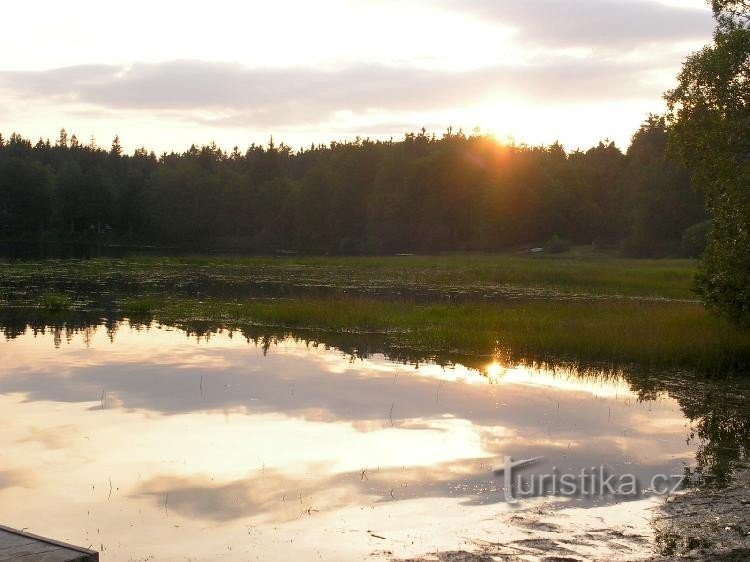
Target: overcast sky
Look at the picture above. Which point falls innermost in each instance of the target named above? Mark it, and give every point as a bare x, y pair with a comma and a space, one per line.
167, 74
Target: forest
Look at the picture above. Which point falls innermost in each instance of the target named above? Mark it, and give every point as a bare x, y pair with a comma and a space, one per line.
424, 193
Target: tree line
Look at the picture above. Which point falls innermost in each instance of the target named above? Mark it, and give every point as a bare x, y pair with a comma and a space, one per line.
424, 193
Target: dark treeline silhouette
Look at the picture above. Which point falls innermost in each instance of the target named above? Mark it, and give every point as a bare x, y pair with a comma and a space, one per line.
421, 194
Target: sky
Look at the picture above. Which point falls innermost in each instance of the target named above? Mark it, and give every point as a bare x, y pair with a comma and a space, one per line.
165, 75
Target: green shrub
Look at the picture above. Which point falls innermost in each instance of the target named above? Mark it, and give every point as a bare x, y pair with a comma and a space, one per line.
557, 245
694, 239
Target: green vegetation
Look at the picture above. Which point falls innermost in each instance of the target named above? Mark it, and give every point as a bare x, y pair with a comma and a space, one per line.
578, 274
140, 306
586, 309
710, 127
55, 302
423, 194
694, 239
646, 334
557, 245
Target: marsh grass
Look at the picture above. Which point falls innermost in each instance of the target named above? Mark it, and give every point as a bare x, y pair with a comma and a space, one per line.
142, 306
545, 277
577, 308
589, 274
647, 334
55, 302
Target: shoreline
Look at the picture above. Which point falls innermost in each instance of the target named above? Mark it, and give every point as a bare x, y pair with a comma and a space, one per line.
707, 523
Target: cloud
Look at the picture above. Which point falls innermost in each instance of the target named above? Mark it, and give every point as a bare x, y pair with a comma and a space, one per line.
602, 24
227, 94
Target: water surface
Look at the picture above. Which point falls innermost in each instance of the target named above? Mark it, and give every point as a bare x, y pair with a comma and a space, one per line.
149, 443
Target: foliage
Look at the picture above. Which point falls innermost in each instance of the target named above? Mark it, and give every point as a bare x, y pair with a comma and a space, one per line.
141, 306
25, 195
422, 194
55, 302
660, 200
557, 245
709, 115
694, 240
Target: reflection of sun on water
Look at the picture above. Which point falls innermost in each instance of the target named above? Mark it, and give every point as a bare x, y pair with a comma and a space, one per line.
598, 384
494, 371
601, 384
167, 347
296, 441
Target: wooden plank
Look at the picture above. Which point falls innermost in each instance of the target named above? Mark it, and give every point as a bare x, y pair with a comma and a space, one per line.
55, 555
37, 552
27, 547
11, 540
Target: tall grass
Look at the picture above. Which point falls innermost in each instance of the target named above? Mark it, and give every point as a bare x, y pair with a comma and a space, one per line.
141, 305
55, 302
647, 334
566, 307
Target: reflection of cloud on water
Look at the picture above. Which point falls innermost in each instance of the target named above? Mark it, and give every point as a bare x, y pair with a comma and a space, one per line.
214, 435
579, 421
58, 437
16, 478
274, 496
271, 497
297, 384
369, 403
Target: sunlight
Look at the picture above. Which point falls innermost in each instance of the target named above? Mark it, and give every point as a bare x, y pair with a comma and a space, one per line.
311, 280
494, 371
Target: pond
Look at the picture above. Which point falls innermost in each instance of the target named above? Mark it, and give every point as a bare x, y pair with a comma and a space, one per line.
148, 441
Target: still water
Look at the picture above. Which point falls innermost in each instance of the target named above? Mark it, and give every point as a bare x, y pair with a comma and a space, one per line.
150, 444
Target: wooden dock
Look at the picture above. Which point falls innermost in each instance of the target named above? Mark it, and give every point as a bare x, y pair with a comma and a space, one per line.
25, 547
